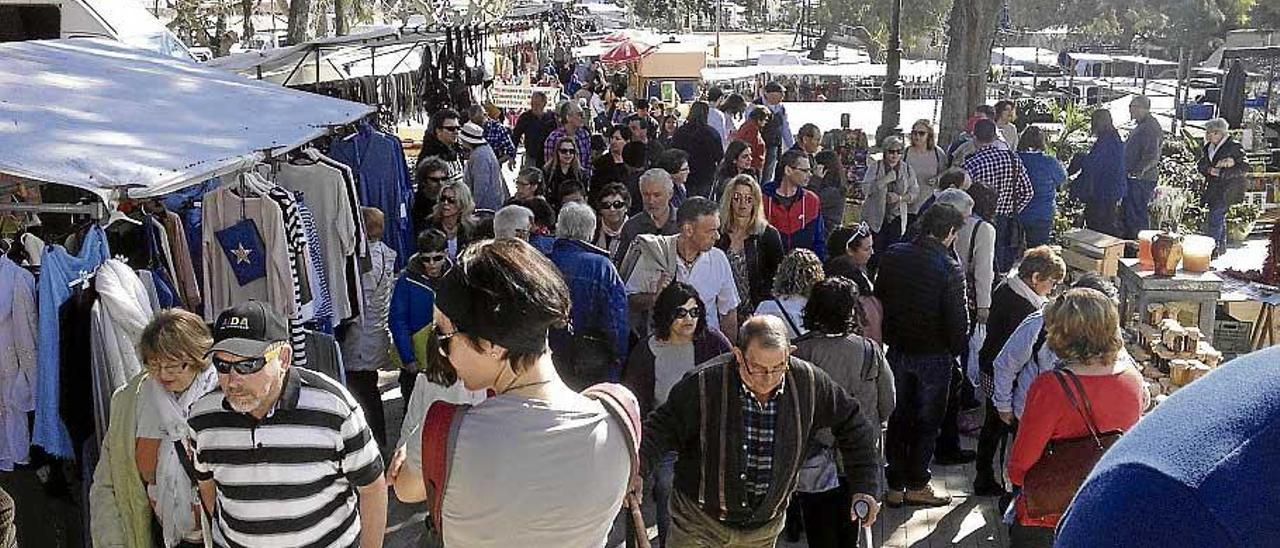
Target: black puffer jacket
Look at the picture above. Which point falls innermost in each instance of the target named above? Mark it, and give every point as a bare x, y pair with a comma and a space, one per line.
922, 288
702, 143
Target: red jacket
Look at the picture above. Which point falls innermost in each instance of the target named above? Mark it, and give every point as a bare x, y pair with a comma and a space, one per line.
750, 132
1117, 402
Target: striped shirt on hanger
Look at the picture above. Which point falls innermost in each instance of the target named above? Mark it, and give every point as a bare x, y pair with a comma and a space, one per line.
289, 479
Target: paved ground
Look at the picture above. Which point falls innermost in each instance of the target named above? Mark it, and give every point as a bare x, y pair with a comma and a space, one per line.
54, 521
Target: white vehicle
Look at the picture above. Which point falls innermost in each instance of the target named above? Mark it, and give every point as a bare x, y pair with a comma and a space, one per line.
121, 20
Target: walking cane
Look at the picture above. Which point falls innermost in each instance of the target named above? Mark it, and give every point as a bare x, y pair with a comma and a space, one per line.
862, 509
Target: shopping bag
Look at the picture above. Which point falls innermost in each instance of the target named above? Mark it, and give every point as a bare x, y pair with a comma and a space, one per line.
976, 339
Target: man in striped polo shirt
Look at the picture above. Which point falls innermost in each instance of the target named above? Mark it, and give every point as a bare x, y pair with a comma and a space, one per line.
283, 454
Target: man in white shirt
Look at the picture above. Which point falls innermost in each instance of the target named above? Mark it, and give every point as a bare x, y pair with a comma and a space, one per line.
716, 118
690, 257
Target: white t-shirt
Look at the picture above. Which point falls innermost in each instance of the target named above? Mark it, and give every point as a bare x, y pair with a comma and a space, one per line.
710, 274
426, 393
524, 474
793, 305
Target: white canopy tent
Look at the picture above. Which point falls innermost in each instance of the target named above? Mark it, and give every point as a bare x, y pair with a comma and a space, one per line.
102, 116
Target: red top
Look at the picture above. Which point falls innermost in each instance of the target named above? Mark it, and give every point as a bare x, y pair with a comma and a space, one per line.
1117, 402
750, 132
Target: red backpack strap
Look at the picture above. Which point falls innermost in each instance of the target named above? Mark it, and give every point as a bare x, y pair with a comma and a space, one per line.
439, 432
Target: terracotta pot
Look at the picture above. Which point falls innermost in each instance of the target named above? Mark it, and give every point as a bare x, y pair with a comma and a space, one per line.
1166, 252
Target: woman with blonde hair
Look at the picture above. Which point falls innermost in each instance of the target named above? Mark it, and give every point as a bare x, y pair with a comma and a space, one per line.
1083, 329
452, 215
797, 274
754, 248
143, 471
929, 162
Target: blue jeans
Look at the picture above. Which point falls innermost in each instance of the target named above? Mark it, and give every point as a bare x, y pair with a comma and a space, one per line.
1134, 207
772, 153
922, 383
1037, 231
1216, 223
664, 478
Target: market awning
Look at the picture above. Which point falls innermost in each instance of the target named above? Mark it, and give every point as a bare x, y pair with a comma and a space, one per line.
99, 115
626, 52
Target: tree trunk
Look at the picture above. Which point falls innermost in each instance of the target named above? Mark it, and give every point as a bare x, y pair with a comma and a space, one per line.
299, 19
246, 11
340, 23
972, 27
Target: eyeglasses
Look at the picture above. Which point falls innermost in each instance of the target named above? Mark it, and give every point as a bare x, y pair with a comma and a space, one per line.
167, 369
448, 200
682, 313
443, 340
920, 133
435, 258
740, 199
568, 151
242, 367
761, 371
451, 129
893, 151
616, 204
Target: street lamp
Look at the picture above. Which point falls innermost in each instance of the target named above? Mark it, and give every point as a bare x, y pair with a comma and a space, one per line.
891, 98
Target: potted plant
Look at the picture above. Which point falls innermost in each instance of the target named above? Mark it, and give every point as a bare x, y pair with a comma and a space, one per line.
1240, 220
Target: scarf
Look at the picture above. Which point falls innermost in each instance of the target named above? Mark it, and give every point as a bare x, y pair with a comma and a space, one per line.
1023, 290
174, 493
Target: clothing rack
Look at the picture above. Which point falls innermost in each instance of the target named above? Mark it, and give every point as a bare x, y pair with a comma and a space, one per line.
96, 210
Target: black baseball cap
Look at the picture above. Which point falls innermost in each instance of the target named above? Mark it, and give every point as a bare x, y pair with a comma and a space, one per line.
248, 330
773, 87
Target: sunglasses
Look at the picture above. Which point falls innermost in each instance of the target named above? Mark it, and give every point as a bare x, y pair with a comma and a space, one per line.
435, 258
450, 201
682, 313
242, 367
744, 199
616, 204
443, 340
451, 129
920, 132
567, 151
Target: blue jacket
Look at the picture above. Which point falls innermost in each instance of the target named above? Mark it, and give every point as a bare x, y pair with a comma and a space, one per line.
412, 308
1200, 470
597, 291
382, 177
800, 225
1102, 179
1046, 174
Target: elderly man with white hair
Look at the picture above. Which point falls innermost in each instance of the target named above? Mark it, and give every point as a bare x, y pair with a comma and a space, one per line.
658, 216
592, 349
1223, 165
513, 221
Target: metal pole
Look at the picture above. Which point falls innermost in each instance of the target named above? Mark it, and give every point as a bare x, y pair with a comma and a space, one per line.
719, 11
891, 99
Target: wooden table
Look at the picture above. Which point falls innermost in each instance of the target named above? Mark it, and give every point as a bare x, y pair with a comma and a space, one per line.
1139, 288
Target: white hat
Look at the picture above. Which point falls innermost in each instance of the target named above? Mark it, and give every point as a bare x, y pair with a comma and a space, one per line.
472, 134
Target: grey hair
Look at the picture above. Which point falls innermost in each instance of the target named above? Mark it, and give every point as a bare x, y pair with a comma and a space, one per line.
658, 175
576, 222
1217, 124
958, 199
1142, 101
510, 219
768, 332
567, 108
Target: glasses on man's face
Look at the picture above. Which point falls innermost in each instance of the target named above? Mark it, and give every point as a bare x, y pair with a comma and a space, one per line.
568, 151
167, 369
435, 258
451, 129
242, 367
688, 312
616, 204
757, 370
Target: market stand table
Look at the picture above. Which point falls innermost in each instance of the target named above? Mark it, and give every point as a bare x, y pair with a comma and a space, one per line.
1139, 288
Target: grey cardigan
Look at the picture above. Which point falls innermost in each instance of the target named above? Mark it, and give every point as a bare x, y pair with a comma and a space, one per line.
1142, 150
874, 208
484, 175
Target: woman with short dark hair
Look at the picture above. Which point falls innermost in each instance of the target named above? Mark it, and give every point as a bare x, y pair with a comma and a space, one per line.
611, 203
1046, 174
851, 249
610, 167
679, 341
859, 366
538, 463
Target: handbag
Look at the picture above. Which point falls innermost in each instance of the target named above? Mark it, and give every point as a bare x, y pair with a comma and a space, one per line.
1054, 479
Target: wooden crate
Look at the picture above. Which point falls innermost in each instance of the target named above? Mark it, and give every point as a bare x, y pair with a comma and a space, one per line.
1092, 251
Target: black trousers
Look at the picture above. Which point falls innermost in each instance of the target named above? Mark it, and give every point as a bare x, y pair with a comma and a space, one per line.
949, 436
827, 522
993, 430
364, 388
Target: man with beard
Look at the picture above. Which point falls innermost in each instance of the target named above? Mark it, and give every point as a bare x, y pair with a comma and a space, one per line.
282, 442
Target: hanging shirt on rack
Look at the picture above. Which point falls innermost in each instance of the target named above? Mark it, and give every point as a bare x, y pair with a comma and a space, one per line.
223, 209
299, 266
353, 201
382, 175
58, 268
323, 190
317, 272
120, 313
17, 361
184, 269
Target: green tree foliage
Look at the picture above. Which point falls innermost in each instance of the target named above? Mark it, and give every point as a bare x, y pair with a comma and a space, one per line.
921, 20
1168, 23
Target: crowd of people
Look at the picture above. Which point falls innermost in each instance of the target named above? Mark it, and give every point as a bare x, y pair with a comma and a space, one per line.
786, 368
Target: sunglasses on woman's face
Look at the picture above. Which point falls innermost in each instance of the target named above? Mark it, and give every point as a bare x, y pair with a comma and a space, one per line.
449, 200
567, 151
920, 133
616, 204
682, 313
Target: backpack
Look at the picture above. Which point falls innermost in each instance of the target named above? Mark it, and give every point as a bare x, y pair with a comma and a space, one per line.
440, 433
